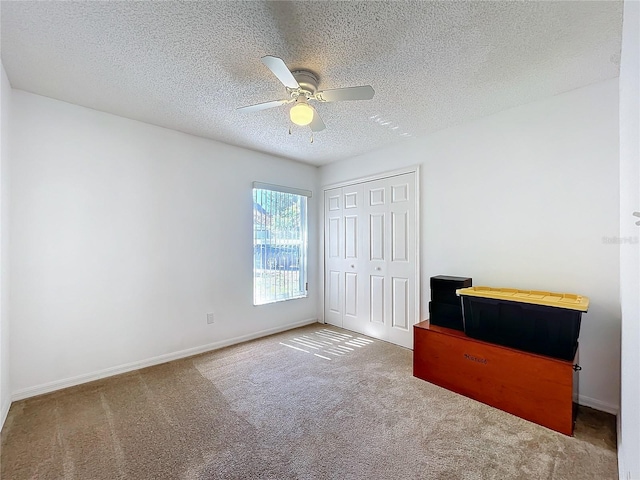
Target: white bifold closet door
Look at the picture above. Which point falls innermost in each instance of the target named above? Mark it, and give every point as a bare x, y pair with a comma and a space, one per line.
370, 258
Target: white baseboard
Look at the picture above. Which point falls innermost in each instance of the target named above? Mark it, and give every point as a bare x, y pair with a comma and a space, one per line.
4, 411
621, 470
598, 404
167, 357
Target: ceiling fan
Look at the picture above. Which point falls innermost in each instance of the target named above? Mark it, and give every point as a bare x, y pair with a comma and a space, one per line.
302, 86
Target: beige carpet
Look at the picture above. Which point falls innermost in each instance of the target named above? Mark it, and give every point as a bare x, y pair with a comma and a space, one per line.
310, 403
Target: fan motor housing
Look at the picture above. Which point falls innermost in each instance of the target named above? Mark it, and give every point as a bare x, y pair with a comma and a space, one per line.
307, 80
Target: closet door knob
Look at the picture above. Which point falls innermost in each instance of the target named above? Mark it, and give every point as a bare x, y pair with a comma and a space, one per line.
378, 268
353, 266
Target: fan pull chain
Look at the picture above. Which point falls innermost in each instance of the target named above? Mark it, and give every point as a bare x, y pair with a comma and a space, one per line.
311, 137
289, 129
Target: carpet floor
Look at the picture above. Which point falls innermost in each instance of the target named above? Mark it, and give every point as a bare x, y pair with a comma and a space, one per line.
317, 402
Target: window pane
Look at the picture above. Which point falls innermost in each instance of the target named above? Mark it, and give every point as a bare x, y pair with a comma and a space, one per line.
279, 246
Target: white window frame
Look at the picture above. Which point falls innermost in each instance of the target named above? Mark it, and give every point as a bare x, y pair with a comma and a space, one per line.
276, 252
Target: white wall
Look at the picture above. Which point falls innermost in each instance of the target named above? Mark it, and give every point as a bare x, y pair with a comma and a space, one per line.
523, 199
629, 434
5, 382
124, 235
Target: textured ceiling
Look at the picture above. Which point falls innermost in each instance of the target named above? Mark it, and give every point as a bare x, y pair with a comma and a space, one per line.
188, 65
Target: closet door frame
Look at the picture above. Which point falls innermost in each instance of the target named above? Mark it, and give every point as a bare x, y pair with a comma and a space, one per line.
392, 173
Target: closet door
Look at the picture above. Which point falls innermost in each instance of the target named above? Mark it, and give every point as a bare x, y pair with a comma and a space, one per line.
391, 266
353, 270
333, 257
370, 258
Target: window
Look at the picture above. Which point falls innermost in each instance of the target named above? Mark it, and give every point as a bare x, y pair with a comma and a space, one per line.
279, 243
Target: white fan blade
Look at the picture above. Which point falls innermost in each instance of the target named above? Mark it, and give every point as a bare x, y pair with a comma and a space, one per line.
263, 106
364, 92
280, 70
316, 124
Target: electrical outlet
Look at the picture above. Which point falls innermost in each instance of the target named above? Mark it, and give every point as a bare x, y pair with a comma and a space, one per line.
209, 318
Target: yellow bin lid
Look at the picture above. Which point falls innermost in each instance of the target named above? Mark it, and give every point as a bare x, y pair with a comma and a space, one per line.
570, 301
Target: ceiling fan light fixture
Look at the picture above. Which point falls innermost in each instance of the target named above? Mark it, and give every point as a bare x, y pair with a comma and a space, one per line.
302, 86
301, 113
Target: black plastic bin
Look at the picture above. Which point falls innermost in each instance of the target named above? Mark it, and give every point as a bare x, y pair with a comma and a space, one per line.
538, 322
443, 288
445, 307
446, 315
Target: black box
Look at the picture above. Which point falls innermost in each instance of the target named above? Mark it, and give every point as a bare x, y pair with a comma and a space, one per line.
542, 329
443, 288
446, 315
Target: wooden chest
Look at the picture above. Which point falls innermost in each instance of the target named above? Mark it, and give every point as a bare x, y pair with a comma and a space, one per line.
534, 387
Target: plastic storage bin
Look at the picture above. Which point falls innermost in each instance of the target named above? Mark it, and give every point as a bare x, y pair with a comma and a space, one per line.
445, 315
443, 288
534, 321
445, 307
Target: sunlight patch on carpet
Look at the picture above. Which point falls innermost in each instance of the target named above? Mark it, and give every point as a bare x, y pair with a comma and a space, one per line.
326, 343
